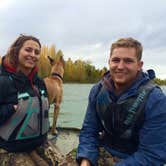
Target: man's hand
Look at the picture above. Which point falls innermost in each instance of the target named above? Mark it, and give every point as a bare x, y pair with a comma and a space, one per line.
85, 162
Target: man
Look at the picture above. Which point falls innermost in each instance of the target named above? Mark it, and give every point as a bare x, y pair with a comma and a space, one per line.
126, 113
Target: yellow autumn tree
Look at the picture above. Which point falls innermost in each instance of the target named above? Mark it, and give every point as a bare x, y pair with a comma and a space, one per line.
69, 70
79, 67
59, 54
52, 52
43, 64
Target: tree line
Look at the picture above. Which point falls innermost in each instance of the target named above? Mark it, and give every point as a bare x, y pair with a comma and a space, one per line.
77, 71
160, 81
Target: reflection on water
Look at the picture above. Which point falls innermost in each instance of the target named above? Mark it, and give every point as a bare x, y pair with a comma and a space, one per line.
74, 105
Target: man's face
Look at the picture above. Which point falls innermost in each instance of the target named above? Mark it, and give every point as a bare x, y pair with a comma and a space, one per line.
124, 66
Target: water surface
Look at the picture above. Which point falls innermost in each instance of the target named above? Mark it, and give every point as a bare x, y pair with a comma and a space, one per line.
74, 105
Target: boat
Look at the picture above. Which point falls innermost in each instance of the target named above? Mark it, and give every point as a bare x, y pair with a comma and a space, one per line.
60, 149
66, 142
66, 139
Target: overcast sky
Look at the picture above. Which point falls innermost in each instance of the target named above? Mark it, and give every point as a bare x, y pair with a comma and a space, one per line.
85, 29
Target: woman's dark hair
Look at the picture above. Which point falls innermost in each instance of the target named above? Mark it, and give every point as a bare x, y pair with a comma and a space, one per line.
14, 49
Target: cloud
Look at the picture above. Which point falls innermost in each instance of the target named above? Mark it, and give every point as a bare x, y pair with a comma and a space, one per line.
86, 29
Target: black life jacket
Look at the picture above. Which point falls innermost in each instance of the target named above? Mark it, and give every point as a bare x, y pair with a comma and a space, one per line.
27, 118
122, 119
31, 120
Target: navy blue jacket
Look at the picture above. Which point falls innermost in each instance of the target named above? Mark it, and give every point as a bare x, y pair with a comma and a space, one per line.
152, 136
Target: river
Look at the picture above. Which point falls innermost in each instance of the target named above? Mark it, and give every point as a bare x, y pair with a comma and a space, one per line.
74, 105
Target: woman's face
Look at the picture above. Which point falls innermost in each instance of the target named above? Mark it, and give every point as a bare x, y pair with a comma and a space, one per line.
28, 56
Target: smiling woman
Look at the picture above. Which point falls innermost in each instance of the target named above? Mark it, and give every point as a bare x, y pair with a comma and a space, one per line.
24, 101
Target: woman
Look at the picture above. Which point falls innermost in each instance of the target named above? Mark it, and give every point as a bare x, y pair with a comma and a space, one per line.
24, 122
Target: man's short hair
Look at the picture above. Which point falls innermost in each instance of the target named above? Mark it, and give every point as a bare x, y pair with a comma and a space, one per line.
128, 43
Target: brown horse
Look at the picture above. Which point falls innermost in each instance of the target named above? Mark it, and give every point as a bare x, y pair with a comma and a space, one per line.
54, 85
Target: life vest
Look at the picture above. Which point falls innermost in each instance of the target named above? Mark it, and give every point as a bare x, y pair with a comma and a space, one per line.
122, 119
30, 120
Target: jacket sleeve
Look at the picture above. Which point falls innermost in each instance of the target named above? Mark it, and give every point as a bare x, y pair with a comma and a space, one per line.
6, 107
152, 136
88, 146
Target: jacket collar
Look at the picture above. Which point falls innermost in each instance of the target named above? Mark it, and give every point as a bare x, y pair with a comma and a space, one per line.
142, 78
11, 69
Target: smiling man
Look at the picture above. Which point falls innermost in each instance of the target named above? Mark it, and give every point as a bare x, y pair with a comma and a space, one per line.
126, 114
